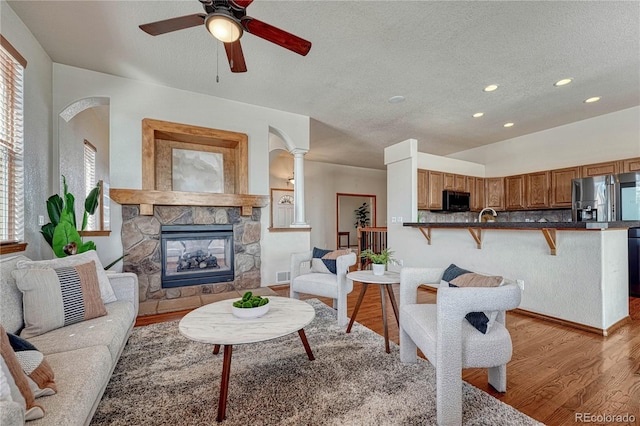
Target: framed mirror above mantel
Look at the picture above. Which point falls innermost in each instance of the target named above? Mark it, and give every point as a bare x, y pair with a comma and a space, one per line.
191, 166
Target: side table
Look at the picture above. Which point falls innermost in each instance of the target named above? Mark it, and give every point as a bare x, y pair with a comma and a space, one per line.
384, 281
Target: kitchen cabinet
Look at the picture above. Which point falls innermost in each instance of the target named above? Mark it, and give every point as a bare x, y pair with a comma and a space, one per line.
514, 192
537, 190
494, 193
475, 187
454, 182
423, 189
630, 165
436, 186
561, 186
599, 169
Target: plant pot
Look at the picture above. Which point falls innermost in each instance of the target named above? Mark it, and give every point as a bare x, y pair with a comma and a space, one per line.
250, 313
378, 268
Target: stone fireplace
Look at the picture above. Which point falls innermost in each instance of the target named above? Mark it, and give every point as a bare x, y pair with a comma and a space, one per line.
143, 249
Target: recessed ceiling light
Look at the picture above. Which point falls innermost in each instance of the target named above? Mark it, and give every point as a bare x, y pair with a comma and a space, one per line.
490, 88
508, 125
590, 100
396, 99
478, 114
563, 82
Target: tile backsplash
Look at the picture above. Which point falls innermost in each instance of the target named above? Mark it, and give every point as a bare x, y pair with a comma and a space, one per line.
558, 215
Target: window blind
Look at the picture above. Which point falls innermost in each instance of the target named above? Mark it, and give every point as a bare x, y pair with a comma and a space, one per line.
11, 143
90, 178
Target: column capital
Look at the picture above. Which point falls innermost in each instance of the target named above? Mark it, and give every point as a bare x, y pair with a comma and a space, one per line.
299, 152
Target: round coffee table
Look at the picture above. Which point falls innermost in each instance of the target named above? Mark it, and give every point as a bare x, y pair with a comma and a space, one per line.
384, 281
215, 324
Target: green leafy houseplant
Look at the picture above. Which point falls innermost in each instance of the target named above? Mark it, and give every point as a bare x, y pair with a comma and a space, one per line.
61, 233
250, 301
382, 258
362, 216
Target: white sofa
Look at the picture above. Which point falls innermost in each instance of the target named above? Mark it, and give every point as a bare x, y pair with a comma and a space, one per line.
82, 355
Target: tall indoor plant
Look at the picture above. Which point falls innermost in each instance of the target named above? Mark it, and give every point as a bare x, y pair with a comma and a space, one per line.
362, 216
61, 232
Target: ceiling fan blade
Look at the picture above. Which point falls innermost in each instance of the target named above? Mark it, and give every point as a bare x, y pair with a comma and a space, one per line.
241, 3
235, 56
276, 35
173, 24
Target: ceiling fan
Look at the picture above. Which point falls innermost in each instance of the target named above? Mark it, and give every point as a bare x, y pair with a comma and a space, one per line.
226, 20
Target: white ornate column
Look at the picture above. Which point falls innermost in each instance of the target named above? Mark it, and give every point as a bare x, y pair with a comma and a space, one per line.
298, 189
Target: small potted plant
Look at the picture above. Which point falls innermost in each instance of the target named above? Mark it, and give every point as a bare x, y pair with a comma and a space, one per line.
379, 260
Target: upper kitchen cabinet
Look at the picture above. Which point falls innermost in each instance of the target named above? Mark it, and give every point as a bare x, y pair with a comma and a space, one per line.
454, 182
423, 189
436, 186
599, 169
475, 187
494, 193
514, 192
630, 165
537, 190
561, 186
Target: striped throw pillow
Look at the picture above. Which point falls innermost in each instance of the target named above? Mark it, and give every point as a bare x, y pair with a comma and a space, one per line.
54, 298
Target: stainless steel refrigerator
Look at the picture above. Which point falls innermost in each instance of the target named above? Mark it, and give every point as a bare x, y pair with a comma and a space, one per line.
593, 199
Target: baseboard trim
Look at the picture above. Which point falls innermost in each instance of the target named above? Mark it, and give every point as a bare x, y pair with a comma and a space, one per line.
583, 327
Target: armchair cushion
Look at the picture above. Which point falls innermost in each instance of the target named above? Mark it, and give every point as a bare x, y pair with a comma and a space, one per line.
324, 261
458, 277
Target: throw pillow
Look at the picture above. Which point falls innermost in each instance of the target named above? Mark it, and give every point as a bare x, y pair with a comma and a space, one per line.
324, 261
458, 277
54, 298
21, 390
106, 291
38, 371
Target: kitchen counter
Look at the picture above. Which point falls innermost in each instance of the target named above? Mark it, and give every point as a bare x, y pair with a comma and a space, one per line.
526, 225
574, 272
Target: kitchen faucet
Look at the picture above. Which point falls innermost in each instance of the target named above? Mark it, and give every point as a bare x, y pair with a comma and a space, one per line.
484, 210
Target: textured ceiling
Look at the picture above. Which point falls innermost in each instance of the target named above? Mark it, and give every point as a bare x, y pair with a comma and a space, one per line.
439, 55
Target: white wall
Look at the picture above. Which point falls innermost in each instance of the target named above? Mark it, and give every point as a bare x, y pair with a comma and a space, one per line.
87, 125
402, 190
38, 154
449, 165
607, 137
131, 101
323, 181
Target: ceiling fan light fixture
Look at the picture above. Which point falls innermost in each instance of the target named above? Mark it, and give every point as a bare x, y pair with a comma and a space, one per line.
223, 26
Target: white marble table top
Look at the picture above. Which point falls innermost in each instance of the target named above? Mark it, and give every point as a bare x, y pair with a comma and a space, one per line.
367, 276
214, 323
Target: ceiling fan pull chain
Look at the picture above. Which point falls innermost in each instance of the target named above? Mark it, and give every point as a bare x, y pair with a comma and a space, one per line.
217, 56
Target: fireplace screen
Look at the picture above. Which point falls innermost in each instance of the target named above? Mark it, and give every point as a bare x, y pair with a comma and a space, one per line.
196, 254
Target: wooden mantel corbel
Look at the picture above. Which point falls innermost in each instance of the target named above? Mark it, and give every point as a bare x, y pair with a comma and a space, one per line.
246, 202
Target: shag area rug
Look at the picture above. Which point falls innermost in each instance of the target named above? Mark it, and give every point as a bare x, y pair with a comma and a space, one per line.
163, 378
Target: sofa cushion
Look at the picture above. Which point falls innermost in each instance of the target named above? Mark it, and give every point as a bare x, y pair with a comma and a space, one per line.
37, 369
54, 298
458, 277
11, 316
106, 292
81, 375
9, 358
110, 331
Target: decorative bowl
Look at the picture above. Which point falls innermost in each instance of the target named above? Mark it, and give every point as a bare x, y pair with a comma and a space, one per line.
248, 313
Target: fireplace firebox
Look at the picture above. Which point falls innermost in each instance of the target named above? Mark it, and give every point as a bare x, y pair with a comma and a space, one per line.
196, 254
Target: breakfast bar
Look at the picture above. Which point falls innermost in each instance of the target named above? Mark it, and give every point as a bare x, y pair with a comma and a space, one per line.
573, 272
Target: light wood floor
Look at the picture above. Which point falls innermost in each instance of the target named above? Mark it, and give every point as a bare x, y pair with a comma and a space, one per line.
556, 371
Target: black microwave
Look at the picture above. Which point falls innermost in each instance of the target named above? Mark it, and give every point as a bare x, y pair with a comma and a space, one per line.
456, 201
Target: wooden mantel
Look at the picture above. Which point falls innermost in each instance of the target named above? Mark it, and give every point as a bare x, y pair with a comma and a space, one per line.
246, 202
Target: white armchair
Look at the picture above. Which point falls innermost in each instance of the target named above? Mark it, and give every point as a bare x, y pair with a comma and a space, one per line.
335, 286
449, 341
